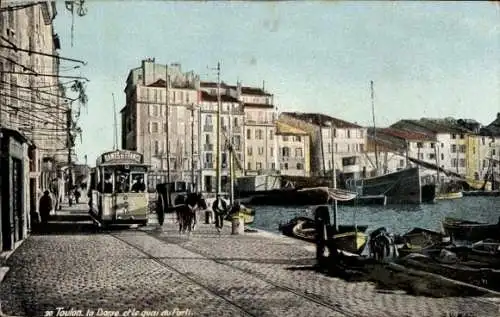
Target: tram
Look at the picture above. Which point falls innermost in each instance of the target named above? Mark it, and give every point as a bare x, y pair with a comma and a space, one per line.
118, 190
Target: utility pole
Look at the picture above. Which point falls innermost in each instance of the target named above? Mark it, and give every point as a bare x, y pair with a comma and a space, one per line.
334, 175
230, 154
167, 145
218, 155
374, 127
192, 148
70, 145
115, 131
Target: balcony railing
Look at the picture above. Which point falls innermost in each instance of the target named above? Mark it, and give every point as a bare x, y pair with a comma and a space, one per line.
208, 128
208, 147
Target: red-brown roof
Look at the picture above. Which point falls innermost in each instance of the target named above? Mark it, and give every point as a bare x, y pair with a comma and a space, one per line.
407, 135
205, 96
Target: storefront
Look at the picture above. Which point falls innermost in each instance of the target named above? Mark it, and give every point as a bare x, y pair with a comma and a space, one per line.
14, 188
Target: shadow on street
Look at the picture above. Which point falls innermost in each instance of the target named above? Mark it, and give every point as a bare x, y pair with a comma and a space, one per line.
389, 281
72, 225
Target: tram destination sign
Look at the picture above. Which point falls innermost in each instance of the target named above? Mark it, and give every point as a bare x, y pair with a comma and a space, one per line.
122, 156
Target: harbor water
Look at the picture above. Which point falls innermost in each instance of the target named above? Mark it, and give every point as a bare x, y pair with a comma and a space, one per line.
396, 218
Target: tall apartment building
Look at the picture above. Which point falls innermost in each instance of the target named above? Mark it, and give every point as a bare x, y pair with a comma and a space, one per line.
32, 106
146, 123
260, 143
329, 136
231, 127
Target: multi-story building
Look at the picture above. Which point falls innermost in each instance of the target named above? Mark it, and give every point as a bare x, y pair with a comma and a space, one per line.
231, 130
260, 144
292, 150
451, 140
32, 101
490, 148
146, 123
395, 148
330, 138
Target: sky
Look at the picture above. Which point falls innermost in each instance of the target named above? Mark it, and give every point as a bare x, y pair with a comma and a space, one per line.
432, 59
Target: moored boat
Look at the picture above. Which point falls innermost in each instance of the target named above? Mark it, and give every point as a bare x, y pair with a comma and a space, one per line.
460, 229
246, 213
450, 195
304, 228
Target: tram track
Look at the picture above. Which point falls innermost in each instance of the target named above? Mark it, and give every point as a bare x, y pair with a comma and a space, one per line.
160, 262
312, 298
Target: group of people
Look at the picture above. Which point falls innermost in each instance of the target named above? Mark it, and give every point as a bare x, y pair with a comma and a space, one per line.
122, 184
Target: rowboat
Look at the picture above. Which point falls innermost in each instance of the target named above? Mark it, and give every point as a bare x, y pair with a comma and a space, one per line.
460, 229
450, 195
417, 239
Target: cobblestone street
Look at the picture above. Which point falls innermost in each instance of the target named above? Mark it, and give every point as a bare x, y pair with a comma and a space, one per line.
256, 274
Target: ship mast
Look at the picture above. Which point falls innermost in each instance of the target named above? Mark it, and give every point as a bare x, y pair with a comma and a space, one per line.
334, 174
374, 127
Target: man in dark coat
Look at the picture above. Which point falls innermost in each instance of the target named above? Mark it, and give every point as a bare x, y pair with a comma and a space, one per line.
220, 209
45, 206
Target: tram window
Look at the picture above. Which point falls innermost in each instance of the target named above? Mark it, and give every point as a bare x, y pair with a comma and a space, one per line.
138, 182
108, 184
122, 181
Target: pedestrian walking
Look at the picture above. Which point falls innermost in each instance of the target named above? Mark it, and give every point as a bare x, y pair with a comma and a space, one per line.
220, 209
77, 195
45, 206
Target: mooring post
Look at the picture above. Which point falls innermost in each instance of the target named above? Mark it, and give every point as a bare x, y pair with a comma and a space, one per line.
322, 221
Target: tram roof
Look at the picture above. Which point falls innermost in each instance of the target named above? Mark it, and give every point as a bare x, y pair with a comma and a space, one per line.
105, 164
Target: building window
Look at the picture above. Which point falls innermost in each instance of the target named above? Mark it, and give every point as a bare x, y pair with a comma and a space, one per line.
453, 148
271, 151
271, 134
493, 152
249, 134
419, 145
401, 163
285, 138
285, 151
329, 148
420, 156
261, 150
273, 166
348, 134
258, 166
249, 165
157, 147
442, 156
462, 148
461, 136
285, 166
453, 136
235, 122
454, 162
432, 156
348, 148
361, 147
300, 166
298, 152
482, 140
442, 145
249, 151
298, 138
334, 133
432, 145
164, 127
259, 135
462, 162
154, 127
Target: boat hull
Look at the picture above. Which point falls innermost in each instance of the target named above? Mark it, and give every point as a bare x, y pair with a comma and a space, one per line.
401, 187
470, 231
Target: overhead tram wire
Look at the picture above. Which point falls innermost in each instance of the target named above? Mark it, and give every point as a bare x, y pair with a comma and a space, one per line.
28, 88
